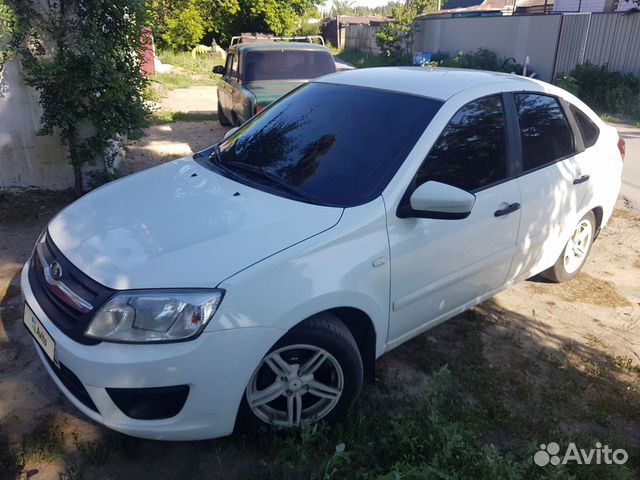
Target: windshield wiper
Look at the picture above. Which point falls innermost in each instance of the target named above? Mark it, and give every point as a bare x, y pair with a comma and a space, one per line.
272, 177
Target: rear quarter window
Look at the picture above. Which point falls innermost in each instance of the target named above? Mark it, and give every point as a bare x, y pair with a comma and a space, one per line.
588, 130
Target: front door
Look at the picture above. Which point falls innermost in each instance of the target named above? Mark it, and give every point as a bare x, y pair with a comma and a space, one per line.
439, 267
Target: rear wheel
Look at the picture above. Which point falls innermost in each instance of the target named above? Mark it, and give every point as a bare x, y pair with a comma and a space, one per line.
313, 373
221, 117
575, 252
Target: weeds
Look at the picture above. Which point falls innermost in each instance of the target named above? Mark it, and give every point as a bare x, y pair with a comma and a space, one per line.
615, 94
44, 443
199, 65
162, 117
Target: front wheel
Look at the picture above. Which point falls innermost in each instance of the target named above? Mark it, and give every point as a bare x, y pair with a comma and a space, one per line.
575, 252
313, 373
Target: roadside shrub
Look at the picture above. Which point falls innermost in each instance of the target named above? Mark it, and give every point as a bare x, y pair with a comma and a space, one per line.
481, 59
605, 91
568, 83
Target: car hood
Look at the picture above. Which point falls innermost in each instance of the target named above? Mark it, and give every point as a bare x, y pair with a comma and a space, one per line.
180, 225
271, 90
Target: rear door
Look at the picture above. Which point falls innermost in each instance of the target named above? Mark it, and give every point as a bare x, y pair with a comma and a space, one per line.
551, 182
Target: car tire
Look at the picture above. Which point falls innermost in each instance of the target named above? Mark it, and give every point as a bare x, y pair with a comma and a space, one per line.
320, 378
575, 252
221, 117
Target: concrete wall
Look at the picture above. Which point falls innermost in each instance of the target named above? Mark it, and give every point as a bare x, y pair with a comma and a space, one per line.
361, 37
27, 159
516, 36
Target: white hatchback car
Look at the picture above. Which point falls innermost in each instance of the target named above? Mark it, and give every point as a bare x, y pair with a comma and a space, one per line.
258, 281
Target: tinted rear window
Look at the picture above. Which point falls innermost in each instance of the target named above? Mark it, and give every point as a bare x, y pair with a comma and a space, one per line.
287, 64
588, 130
339, 144
544, 130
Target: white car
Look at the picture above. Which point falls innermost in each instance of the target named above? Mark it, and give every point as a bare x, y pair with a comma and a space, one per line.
258, 281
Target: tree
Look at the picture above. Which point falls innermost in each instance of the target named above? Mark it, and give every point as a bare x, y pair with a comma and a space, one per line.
343, 7
7, 28
83, 58
179, 24
395, 38
182, 24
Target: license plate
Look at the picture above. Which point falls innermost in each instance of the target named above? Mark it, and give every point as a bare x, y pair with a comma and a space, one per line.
39, 333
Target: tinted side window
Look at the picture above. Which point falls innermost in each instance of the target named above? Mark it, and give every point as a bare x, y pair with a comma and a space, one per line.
227, 66
589, 130
470, 152
234, 67
544, 130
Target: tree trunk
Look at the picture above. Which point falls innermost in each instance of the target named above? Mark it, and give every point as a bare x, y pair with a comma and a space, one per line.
77, 179
76, 163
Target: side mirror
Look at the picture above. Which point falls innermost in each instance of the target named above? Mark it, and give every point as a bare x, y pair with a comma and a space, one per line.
440, 201
229, 133
219, 69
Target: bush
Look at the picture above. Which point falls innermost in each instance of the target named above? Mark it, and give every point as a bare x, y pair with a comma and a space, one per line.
481, 59
605, 91
568, 83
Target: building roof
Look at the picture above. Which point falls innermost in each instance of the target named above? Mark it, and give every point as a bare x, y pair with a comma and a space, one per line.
438, 83
363, 19
474, 6
461, 4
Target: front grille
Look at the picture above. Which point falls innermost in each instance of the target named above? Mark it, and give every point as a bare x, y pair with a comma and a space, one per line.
69, 320
72, 383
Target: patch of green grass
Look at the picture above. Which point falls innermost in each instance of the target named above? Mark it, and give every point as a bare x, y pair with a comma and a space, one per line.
409, 438
609, 118
171, 81
44, 443
162, 117
200, 65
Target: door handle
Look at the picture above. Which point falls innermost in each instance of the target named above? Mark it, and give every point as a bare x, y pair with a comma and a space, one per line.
507, 210
580, 180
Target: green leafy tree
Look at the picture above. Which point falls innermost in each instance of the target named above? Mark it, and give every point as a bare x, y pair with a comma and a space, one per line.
396, 38
7, 28
182, 24
83, 58
343, 7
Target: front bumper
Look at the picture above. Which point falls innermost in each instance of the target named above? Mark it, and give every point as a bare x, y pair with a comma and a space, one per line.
216, 366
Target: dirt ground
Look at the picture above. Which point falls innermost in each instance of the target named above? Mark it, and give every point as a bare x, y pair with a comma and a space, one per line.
550, 344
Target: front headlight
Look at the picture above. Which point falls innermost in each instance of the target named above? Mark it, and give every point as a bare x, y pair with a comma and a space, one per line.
154, 316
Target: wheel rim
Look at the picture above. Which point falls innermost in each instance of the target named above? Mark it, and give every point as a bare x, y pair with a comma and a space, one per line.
578, 246
295, 385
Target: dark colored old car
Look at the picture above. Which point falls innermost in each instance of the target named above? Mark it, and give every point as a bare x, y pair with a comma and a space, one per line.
256, 74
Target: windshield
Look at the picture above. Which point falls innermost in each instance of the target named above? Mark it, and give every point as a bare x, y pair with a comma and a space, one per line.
332, 145
287, 65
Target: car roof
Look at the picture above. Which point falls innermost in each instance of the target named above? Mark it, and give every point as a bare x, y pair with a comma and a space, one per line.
248, 47
437, 83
